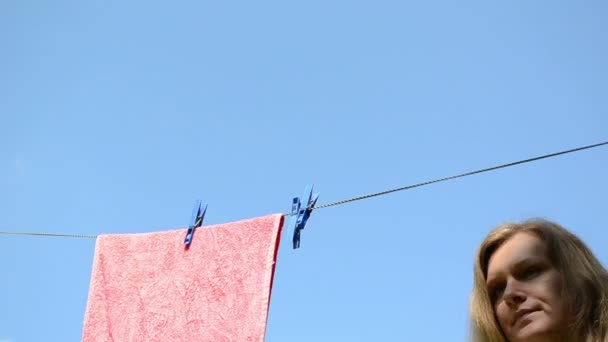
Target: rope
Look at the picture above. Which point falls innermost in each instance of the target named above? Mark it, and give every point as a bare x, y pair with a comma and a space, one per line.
493, 168
52, 235
459, 176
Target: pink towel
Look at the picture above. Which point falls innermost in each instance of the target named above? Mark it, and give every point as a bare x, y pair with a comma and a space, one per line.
147, 288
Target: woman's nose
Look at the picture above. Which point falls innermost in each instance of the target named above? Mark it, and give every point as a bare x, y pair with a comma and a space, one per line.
514, 294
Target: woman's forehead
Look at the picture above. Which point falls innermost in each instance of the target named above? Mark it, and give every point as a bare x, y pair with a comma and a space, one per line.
520, 247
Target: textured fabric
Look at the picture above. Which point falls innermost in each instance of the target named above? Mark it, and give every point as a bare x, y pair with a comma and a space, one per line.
147, 287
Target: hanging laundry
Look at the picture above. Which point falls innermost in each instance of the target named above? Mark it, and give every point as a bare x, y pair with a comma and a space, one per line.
149, 288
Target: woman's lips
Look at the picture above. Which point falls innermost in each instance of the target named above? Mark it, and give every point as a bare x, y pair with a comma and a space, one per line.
523, 313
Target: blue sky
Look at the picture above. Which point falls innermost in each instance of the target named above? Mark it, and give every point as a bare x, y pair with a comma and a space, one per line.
115, 116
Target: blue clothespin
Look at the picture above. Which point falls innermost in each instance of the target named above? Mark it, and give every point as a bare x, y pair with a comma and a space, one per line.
198, 214
301, 209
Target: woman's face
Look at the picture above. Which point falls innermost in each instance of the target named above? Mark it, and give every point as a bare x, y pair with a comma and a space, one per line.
526, 291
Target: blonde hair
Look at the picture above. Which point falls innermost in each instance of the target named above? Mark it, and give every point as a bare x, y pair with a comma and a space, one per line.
585, 282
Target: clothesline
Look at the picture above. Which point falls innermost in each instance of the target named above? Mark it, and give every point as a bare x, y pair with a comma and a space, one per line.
408, 187
493, 168
51, 234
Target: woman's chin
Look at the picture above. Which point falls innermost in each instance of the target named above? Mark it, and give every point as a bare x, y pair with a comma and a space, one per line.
535, 331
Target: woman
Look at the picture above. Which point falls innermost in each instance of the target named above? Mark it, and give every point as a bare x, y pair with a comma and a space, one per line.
536, 281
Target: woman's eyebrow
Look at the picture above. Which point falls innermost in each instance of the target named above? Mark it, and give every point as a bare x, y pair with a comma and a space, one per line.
527, 261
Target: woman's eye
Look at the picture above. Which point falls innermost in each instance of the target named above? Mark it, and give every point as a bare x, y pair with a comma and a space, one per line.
496, 293
530, 272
